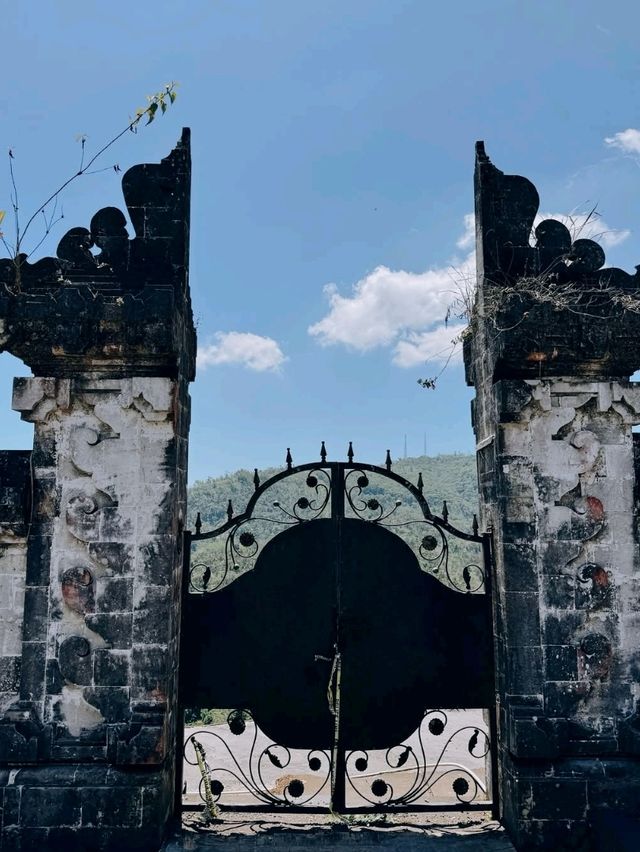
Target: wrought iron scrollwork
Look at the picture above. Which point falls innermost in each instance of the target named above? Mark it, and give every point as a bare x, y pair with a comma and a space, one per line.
370, 509
425, 782
305, 508
242, 542
433, 546
255, 771
246, 534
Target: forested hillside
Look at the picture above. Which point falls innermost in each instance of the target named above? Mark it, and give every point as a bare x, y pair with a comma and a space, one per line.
449, 478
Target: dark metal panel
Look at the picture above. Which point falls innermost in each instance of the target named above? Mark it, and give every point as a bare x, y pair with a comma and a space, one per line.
254, 643
407, 642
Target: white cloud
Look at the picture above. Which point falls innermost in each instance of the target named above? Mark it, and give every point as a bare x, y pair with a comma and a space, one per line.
242, 349
467, 240
406, 310
626, 140
400, 309
439, 345
588, 226
384, 305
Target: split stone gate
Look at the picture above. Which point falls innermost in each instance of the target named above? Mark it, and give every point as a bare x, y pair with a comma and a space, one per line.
92, 521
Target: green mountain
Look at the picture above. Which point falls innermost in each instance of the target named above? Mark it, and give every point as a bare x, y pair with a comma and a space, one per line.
446, 477
450, 478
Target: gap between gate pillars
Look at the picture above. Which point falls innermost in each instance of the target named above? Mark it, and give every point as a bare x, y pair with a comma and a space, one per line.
344, 578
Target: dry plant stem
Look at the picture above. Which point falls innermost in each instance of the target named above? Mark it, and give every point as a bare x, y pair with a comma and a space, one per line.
14, 198
531, 291
149, 111
156, 101
211, 812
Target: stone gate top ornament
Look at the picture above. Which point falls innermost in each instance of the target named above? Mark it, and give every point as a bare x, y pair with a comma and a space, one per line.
70, 312
547, 304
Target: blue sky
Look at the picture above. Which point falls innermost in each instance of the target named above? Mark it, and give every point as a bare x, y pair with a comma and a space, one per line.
332, 174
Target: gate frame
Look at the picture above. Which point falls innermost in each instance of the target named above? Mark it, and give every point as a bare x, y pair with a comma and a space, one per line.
336, 497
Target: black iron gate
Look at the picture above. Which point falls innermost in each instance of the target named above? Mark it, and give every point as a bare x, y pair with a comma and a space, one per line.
341, 631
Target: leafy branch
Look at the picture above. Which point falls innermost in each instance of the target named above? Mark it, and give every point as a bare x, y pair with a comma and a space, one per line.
160, 101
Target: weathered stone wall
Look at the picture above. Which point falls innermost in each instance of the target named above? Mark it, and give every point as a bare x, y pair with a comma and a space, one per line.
553, 418
88, 745
91, 521
97, 635
15, 498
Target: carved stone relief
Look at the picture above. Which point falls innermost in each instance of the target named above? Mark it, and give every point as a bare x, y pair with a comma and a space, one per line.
111, 440
581, 480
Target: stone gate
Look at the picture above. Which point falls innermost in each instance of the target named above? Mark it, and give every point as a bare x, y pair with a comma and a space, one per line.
91, 524
92, 520
555, 339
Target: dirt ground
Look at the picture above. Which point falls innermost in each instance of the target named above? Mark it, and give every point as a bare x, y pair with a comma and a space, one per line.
433, 832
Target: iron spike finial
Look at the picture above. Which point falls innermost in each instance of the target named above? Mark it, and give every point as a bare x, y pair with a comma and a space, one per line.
475, 526
420, 483
445, 512
350, 452
387, 461
229, 510
289, 459
198, 523
256, 479
323, 453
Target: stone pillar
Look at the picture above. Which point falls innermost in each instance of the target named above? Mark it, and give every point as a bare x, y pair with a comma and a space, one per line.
15, 499
553, 342
88, 748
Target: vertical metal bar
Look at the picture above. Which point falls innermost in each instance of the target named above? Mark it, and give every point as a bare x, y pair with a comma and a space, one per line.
337, 492
186, 565
487, 550
338, 756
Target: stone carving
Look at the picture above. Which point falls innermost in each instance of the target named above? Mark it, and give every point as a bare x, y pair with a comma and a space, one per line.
74, 660
156, 207
508, 211
111, 297
85, 513
588, 447
36, 398
78, 590
549, 305
595, 656
594, 589
107, 232
74, 248
153, 398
